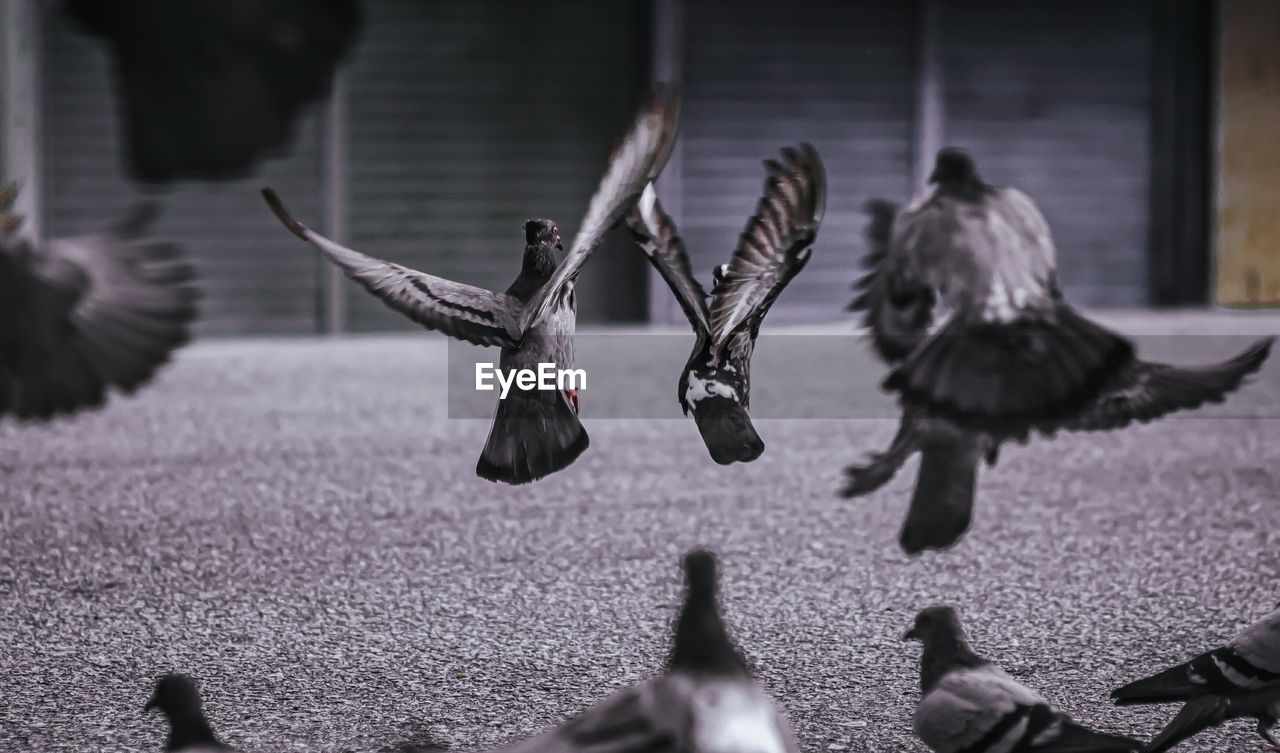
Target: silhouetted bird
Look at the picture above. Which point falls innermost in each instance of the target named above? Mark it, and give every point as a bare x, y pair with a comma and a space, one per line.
775, 245
82, 315
970, 705
209, 87
1009, 345
535, 432
1238, 680
189, 731
705, 702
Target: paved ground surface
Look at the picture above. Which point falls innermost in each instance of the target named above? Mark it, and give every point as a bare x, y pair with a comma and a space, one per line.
297, 524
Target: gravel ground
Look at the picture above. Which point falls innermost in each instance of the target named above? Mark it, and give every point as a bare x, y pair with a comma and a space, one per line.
297, 524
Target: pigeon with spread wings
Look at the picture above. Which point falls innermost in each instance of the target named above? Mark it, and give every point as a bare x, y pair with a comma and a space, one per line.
535, 432
705, 702
82, 315
969, 705
1239, 680
899, 311
775, 245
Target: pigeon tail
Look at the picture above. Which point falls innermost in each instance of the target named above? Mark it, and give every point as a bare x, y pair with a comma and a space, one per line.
942, 503
1070, 737
1171, 685
1006, 379
727, 430
535, 433
1194, 717
701, 641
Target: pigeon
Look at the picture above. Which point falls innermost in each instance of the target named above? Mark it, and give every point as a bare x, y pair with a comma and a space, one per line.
82, 315
705, 702
775, 245
970, 705
899, 305
177, 696
535, 432
1235, 681
207, 89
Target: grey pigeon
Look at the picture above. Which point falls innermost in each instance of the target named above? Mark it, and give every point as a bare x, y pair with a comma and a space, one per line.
705, 702
1238, 680
535, 432
208, 89
969, 705
80, 316
715, 385
899, 304
178, 698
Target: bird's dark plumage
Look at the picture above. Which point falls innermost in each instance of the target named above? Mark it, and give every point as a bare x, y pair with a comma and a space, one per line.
84, 315
207, 89
715, 385
178, 698
701, 644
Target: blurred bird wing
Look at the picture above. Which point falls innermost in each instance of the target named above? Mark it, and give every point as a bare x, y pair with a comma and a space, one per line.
466, 312
634, 163
967, 705
658, 237
655, 717
1145, 391
1259, 646
896, 311
775, 245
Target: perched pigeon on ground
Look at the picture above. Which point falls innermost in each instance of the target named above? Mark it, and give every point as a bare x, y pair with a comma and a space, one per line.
705, 702
81, 315
777, 242
1235, 681
207, 89
189, 731
535, 432
996, 360
969, 705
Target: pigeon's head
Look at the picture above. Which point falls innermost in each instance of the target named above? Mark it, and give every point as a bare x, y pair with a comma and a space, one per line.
955, 169
175, 695
934, 623
542, 233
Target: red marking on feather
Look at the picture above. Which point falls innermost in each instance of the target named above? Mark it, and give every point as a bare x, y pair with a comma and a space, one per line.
572, 395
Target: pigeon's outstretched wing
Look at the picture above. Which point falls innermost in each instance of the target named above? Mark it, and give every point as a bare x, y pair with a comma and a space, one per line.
209, 88
656, 234
775, 245
897, 311
466, 312
82, 315
637, 160
1146, 391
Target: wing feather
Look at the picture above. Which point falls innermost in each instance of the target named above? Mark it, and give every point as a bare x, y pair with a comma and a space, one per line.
657, 236
896, 311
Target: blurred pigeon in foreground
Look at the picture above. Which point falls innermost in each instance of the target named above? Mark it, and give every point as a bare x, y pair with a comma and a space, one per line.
777, 242
705, 702
969, 705
1238, 680
209, 87
81, 315
899, 309
189, 731
535, 432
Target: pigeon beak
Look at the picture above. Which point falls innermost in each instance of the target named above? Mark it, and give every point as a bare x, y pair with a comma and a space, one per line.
151, 704
910, 635
933, 177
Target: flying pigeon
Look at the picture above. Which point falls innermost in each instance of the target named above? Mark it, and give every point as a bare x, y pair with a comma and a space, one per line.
207, 89
189, 731
535, 432
82, 315
1238, 680
969, 705
775, 245
705, 702
905, 286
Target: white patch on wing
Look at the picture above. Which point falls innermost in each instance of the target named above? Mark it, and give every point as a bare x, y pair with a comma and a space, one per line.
732, 718
1236, 678
998, 307
701, 389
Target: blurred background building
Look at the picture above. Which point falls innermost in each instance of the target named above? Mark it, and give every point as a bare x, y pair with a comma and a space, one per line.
1144, 128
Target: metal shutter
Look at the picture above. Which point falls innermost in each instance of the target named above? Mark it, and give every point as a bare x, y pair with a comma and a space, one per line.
760, 75
467, 118
1054, 97
256, 277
